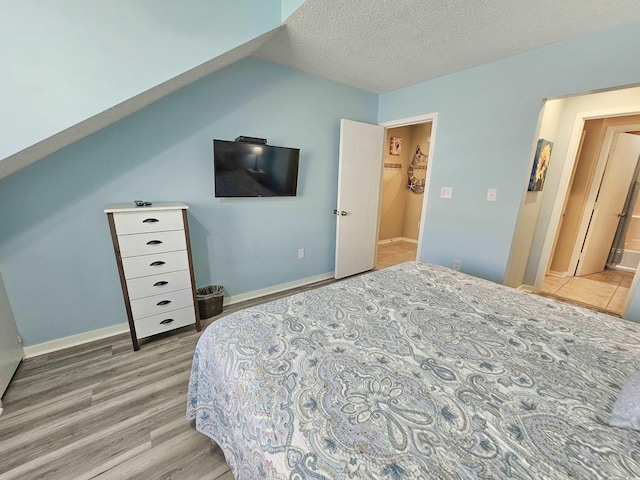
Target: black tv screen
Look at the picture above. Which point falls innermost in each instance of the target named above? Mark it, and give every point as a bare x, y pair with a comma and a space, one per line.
254, 170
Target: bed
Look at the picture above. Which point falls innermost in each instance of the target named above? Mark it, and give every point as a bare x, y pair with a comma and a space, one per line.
414, 372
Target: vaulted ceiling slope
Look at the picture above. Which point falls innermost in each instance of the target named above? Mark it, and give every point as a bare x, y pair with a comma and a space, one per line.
71, 67
79, 66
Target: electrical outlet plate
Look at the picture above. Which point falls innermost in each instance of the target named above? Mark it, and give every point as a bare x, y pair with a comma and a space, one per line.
300, 253
456, 265
492, 193
446, 192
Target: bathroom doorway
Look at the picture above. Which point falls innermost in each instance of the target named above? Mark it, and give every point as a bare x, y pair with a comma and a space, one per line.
597, 267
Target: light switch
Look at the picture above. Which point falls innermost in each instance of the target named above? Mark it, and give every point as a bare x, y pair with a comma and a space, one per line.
446, 192
492, 193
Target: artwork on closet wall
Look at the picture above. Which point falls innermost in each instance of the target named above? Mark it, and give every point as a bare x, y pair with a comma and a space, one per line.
417, 172
540, 165
395, 145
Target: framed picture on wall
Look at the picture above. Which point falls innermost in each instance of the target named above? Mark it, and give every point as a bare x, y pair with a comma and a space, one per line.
540, 165
395, 145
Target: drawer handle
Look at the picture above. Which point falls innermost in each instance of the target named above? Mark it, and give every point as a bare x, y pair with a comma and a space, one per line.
150, 220
157, 263
166, 321
162, 283
163, 302
154, 242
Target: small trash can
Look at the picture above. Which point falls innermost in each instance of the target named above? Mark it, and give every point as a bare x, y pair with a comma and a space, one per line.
210, 300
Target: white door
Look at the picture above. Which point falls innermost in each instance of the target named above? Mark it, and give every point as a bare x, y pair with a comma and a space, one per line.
359, 177
616, 181
10, 350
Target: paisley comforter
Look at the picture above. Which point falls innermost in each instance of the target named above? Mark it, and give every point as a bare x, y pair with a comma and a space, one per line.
416, 372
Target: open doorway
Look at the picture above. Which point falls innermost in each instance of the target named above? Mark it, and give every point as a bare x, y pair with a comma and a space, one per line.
360, 169
406, 160
590, 262
562, 121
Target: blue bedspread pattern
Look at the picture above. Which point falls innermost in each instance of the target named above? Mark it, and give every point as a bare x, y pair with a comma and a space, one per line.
416, 372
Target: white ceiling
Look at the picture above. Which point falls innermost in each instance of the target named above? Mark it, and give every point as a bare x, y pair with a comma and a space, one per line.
383, 45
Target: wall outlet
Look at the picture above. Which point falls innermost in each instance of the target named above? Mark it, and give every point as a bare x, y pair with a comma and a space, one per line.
456, 265
300, 253
492, 193
446, 192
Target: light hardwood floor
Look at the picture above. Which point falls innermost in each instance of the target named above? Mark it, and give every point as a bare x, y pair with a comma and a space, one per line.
103, 411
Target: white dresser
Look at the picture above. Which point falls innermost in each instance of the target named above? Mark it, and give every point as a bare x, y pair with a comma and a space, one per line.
153, 254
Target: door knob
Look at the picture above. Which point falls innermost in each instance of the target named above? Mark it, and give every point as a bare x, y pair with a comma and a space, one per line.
343, 213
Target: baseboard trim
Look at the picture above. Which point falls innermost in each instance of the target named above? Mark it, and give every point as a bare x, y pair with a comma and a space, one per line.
525, 288
73, 340
558, 274
93, 335
243, 297
622, 268
397, 239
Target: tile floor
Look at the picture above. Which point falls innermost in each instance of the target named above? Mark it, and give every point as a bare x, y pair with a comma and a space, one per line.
393, 253
605, 291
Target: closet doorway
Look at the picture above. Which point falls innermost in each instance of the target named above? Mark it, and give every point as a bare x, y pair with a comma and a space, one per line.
594, 261
403, 190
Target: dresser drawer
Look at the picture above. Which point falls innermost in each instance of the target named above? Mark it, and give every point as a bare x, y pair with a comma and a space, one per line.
148, 326
157, 284
145, 265
148, 243
150, 221
159, 304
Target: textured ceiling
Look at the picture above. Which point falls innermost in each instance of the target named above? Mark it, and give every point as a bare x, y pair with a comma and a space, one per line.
382, 45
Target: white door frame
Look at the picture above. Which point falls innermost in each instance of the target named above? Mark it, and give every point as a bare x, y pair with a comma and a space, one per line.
402, 122
562, 192
603, 158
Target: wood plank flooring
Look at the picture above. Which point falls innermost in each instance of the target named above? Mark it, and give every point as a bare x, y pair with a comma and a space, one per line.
102, 411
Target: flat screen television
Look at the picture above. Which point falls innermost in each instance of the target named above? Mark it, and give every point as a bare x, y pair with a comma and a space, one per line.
244, 169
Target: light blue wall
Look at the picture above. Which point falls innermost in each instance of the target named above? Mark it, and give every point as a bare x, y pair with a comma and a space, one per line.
65, 61
56, 256
487, 118
55, 253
